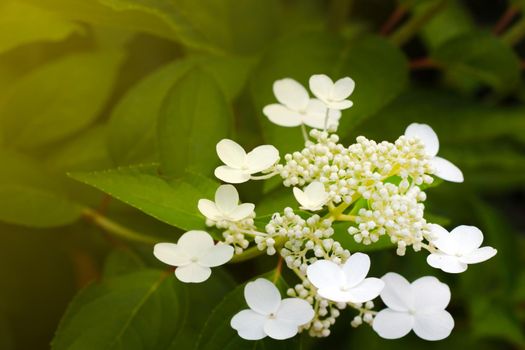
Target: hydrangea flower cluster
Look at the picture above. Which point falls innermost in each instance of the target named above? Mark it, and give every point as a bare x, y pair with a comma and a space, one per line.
371, 189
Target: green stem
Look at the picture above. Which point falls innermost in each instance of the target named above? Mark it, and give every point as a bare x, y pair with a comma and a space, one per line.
253, 252
414, 24
515, 33
114, 228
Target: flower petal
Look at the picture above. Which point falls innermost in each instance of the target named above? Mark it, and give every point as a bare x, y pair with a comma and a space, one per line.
391, 324
282, 116
397, 293
430, 294
316, 192
194, 243
367, 290
231, 175
445, 242
262, 296
478, 255
242, 211
447, 263
315, 114
209, 209
231, 153
339, 105
261, 158
336, 294
433, 326
438, 231
325, 274
321, 86
446, 170
192, 273
301, 197
171, 254
356, 268
217, 255
342, 89
426, 134
467, 238
295, 310
280, 329
291, 94
249, 324
226, 198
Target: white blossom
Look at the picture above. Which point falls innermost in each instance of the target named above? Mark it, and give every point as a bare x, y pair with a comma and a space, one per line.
241, 165
442, 167
346, 283
419, 306
268, 315
295, 107
313, 198
334, 95
226, 206
193, 255
458, 248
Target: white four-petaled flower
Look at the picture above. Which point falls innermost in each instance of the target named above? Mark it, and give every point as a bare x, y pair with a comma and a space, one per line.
458, 248
334, 95
442, 167
226, 205
313, 198
268, 314
193, 255
346, 283
295, 107
419, 306
241, 165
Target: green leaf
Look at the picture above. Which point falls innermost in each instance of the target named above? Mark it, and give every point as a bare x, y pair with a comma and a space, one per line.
142, 310
22, 24
133, 122
194, 117
171, 201
31, 196
65, 96
120, 262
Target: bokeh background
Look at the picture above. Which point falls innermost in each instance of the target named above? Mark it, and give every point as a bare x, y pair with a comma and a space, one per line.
83, 84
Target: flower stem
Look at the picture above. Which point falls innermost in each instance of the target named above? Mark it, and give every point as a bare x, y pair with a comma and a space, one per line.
393, 20
305, 134
515, 33
253, 252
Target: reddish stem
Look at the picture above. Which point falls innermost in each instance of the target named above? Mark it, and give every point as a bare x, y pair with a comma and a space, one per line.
394, 19
423, 63
505, 20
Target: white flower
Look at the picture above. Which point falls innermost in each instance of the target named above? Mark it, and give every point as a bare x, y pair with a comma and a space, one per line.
419, 306
345, 283
313, 198
442, 167
268, 314
226, 205
296, 107
458, 248
193, 255
239, 165
332, 94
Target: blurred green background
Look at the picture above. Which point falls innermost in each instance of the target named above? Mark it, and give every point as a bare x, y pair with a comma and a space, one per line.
89, 85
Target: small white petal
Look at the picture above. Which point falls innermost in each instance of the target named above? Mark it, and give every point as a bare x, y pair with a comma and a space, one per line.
447, 263
302, 198
433, 326
261, 158
217, 255
231, 175
249, 324
438, 231
282, 116
446, 244
391, 324
291, 94
209, 209
426, 134
340, 105
316, 192
356, 268
325, 274
397, 293
337, 294
195, 243
171, 254
467, 238
231, 153
321, 86
430, 294
262, 296
478, 255
446, 170
280, 329
295, 310
192, 273
226, 198
242, 211
342, 89
367, 290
